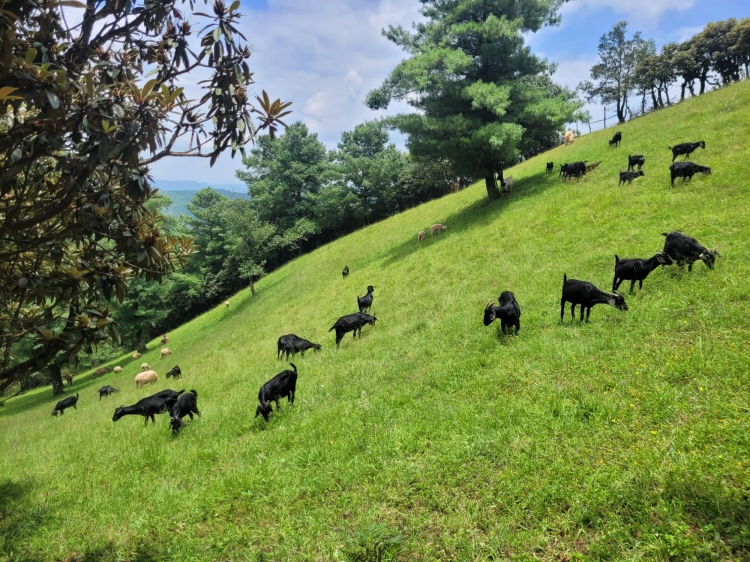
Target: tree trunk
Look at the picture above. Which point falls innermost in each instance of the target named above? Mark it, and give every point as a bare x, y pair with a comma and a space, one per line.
621, 111
658, 102
492, 191
54, 375
682, 91
252, 287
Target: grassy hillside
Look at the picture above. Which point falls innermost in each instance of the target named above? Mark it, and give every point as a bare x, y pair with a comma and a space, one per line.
623, 439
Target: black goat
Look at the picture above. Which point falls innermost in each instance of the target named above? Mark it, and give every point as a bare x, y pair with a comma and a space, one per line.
149, 406
107, 391
282, 385
687, 170
685, 148
351, 322
291, 345
69, 402
686, 249
575, 169
507, 310
636, 160
185, 405
637, 269
365, 303
175, 372
616, 139
587, 295
550, 167
629, 176
345, 271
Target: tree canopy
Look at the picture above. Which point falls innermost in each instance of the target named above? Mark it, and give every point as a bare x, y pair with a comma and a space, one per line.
482, 97
80, 103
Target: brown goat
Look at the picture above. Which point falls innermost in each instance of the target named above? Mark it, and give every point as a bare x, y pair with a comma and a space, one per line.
437, 228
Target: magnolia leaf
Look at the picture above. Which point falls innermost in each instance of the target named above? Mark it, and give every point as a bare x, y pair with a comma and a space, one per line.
30, 55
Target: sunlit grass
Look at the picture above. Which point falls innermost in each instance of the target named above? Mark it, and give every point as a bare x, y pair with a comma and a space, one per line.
623, 439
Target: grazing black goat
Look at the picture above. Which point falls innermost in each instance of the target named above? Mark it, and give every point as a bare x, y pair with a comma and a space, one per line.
507, 310
149, 406
575, 169
185, 405
550, 167
345, 271
687, 170
636, 160
365, 303
351, 322
282, 385
175, 372
686, 249
637, 270
685, 148
69, 402
587, 295
629, 176
107, 391
616, 139
291, 345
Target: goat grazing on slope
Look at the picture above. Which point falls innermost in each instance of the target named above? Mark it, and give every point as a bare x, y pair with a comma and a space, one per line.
282, 385
637, 269
507, 310
587, 295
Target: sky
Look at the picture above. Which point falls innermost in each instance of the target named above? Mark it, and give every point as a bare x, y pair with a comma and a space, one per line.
326, 55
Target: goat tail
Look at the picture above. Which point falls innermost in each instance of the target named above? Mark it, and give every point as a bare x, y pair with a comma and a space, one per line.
669, 147
617, 258
194, 392
332, 327
294, 367
665, 233
76, 395
565, 278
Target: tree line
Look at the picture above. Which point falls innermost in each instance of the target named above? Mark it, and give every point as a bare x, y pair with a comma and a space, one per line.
632, 68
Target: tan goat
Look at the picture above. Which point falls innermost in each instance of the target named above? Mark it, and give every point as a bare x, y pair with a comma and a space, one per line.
164, 352
437, 228
118, 369
147, 377
137, 355
164, 339
421, 236
145, 366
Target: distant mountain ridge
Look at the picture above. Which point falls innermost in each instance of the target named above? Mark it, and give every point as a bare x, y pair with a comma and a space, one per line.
190, 185
181, 198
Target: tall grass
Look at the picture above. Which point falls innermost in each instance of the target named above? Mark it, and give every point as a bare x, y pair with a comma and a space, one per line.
626, 438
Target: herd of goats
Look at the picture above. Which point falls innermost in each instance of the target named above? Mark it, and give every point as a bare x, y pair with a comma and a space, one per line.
678, 248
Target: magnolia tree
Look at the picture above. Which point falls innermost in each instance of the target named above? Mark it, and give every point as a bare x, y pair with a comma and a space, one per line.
90, 96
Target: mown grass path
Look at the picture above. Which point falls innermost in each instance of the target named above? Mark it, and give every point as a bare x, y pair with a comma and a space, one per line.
624, 439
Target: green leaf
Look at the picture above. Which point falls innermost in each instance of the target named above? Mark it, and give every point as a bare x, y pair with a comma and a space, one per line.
30, 55
17, 155
235, 6
54, 101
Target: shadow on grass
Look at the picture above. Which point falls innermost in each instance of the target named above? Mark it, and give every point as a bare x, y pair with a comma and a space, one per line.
475, 215
18, 520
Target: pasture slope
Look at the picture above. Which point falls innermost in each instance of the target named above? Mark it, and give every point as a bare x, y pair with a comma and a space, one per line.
622, 439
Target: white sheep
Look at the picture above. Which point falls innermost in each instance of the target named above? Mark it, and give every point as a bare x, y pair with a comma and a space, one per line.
437, 228
118, 369
147, 377
508, 187
145, 367
164, 352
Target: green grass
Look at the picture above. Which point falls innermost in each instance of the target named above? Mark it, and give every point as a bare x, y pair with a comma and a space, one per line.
623, 439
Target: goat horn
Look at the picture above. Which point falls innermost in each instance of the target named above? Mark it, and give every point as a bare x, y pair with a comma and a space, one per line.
489, 304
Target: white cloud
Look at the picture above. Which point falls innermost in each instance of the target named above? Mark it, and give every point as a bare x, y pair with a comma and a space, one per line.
640, 12
685, 33
323, 57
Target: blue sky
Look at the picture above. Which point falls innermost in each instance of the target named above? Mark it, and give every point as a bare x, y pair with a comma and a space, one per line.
324, 56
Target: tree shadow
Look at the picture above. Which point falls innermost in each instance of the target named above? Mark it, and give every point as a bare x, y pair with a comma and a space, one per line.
475, 215
18, 520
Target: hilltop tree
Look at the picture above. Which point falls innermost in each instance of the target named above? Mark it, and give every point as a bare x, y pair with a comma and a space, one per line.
740, 41
80, 105
479, 91
614, 76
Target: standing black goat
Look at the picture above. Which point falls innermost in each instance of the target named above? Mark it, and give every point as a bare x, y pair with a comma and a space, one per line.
587, 295
685, 148
637, 269
616, 139
69, 402
149, 406
550, 167
345, 271
507, 310
107, 391
291, 345
351, 322
687, 170
635, 160
686, 249
365, 303
282, 385
184, 405
629, 176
